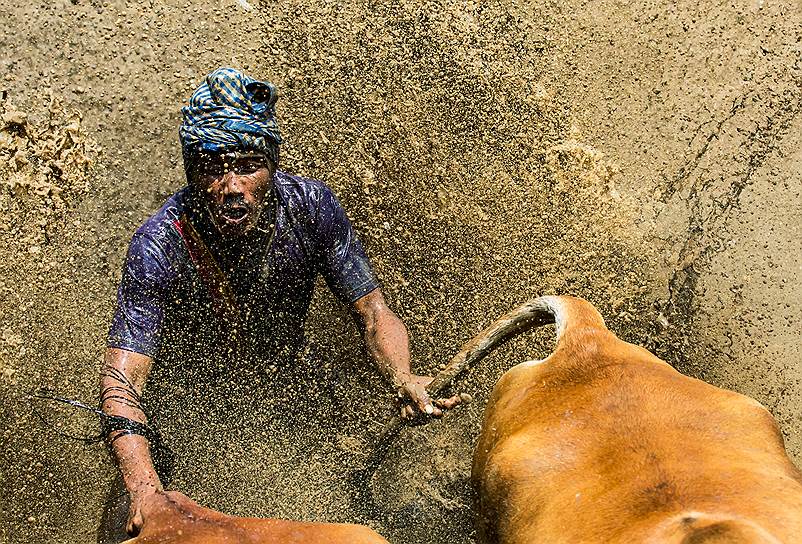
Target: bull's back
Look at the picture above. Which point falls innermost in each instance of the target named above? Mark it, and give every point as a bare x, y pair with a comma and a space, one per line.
587, 453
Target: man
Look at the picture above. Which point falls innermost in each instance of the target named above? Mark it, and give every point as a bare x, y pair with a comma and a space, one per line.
224, 273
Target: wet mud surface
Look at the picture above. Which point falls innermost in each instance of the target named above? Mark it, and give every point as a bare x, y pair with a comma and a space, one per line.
643, 155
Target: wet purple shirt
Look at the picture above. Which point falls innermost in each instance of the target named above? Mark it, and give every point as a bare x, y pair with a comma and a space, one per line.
166, 307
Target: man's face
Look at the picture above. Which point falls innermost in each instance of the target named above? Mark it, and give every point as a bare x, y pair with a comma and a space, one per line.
233, 188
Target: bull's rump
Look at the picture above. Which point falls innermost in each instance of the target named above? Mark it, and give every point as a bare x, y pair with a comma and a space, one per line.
259, 531
179, 520
330, 534
247, 531
615, 453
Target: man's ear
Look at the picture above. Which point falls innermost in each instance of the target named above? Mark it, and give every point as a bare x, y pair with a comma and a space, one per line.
192, 162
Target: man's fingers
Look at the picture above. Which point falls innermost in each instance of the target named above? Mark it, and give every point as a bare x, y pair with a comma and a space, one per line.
135, 522
420, 404
411, 412
407, 411
448, 403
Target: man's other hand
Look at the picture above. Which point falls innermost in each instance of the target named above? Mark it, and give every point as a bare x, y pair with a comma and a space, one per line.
414, 402
142, 502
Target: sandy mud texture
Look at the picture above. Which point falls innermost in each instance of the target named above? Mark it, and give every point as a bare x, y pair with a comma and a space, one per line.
642, 154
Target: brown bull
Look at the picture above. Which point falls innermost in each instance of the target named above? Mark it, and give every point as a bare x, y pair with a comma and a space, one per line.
175, 519
602, 442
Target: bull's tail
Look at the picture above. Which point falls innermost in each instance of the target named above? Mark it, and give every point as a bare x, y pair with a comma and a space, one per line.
570, 315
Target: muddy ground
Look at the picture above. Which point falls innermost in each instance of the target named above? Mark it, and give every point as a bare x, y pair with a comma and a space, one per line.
644, 155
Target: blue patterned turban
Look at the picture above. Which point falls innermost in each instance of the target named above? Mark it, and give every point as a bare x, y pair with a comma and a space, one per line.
230, 112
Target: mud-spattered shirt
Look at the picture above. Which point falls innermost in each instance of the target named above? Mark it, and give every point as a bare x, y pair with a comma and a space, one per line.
185, 293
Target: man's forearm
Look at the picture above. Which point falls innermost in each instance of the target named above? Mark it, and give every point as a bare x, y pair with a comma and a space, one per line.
123, 378
135, 463
387, 343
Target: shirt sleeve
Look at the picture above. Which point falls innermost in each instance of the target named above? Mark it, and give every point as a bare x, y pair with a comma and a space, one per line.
343, 262
141, 297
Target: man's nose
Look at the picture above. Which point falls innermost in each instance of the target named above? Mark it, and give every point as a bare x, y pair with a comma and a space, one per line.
232, 184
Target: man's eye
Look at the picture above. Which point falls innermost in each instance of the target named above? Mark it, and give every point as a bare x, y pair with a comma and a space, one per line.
212, 170
247, 167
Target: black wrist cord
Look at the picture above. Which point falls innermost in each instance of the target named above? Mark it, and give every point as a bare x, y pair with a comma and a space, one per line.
163, 456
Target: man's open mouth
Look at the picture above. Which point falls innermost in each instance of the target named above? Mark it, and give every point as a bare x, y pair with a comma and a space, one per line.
234, 214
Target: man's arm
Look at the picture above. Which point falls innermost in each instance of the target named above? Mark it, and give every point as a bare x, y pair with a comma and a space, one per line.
387, 343
123, 377
349, 275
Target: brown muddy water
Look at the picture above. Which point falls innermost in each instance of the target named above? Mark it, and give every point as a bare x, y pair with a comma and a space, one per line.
644, 155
